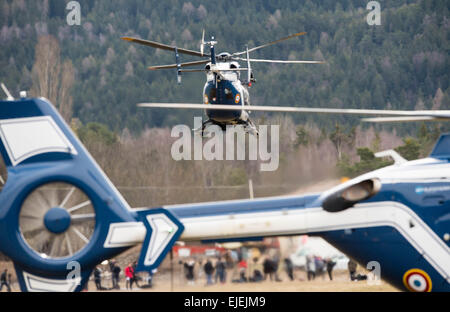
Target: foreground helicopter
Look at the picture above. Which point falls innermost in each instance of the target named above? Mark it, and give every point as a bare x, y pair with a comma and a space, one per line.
223, 84
60, 215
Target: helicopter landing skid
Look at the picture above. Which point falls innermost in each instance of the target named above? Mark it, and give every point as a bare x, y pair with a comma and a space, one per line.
249, 127
203, 129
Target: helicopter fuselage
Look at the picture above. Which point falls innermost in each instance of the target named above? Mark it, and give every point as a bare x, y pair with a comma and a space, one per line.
225, 88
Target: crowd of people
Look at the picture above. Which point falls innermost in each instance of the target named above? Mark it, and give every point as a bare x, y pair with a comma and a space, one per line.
215, 270
131, 277
257, 269
317, 266
214, 273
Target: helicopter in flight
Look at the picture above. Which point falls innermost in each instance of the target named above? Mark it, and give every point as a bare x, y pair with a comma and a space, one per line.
226, 99
224, 84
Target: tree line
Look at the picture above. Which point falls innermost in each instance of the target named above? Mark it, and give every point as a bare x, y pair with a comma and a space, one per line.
401, 64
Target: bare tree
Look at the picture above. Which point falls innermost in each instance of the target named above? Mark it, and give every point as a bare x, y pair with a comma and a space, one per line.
46, 68
50, 79
64, 97
340, 138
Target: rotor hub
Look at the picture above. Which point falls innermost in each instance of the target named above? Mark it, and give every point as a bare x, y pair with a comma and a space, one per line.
57, 220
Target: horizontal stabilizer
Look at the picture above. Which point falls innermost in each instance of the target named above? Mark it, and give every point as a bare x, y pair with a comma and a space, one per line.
398, 159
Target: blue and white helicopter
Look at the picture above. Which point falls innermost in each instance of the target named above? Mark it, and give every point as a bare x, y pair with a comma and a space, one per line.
60, 215
223, 85
226, 99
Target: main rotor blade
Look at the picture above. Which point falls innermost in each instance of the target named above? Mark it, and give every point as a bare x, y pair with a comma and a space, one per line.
278, 61
158, 45
441, 114
181, 64
404, 119
270, 43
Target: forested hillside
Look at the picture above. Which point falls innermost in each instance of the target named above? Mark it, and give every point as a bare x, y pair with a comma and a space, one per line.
401, 64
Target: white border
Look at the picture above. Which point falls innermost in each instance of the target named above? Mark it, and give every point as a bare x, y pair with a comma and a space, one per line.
35, 283
124, 234
68, 148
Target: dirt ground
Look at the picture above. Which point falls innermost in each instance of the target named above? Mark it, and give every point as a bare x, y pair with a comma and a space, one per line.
340, 283
165, 283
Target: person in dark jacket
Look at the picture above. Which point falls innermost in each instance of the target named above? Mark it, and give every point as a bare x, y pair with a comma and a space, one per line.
98, 278
289, 267
220, 271
115, 275
330, 267
136, 278
209, 270
4, 281
268, 269
189, 271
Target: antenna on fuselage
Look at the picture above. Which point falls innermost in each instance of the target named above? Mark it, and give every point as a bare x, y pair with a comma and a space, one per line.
9, 97
213, 58
213, 53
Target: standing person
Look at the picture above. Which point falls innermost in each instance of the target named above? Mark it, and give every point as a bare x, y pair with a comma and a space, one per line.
4, 281
289, 267
268, 268
9, 280
116, 275
275, 265
311, 267
135, 277
352, 269
111, 265
209, 270
330, 266
220, 271
129, 273
98, 278
189, 271
320, 266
